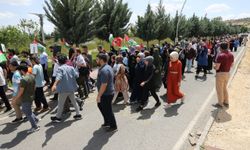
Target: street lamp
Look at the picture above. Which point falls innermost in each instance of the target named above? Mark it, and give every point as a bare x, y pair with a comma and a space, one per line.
41, 16
178, 22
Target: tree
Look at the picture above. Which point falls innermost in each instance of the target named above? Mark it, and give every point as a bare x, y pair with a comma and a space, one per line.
74, 19
28, 26
115, 18
195, 27
145, 26
14, 38
163, 25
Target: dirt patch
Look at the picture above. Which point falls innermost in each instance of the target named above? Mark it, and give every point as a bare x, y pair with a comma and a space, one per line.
231, 129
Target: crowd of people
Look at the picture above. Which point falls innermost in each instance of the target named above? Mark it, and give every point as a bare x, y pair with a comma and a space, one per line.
137, 70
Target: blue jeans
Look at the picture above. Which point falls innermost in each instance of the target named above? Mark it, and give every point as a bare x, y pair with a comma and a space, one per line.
26, 107
189, 64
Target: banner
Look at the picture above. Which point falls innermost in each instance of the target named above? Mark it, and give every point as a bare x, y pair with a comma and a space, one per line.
33, 48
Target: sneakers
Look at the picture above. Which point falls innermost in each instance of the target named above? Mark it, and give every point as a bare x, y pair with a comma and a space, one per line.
55, 119
17, 120
78, 117
32, 130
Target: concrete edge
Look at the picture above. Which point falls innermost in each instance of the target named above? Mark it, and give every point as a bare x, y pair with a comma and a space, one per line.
211, 119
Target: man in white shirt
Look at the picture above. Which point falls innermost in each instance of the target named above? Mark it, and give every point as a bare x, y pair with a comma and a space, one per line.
44, 63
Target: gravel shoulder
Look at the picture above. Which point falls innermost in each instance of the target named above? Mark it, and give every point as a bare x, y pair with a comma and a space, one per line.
231, 129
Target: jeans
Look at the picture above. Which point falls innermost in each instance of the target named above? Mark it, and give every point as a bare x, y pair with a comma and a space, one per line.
61, 101
4, 97
189, 64
105, 107
26, 107
40, 98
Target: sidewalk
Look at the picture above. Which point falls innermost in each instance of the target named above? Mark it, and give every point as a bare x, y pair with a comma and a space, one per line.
231, 129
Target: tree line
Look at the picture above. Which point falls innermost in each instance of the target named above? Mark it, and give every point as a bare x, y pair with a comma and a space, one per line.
78, 21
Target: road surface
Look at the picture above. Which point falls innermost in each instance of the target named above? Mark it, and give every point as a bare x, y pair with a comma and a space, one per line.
151, 129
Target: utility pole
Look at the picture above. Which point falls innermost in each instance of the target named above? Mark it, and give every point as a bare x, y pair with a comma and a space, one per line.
178, 22
41, 16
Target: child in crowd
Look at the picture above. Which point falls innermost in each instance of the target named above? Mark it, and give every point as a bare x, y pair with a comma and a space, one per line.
121, 84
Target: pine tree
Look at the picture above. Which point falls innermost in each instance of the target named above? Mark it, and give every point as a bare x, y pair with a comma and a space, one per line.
145, 26
163, 25
115, 20
73, 19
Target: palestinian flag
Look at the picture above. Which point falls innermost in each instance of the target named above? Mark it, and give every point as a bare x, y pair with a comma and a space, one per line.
2, 57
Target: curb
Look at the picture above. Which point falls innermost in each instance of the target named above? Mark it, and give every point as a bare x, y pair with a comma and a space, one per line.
211, 119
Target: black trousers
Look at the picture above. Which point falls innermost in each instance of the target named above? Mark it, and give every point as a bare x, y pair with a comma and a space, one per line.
40, 98
235, 49
45, 74
83, 84
105, 107
137, 93
4, 97
183, 62
199, 68
146, 92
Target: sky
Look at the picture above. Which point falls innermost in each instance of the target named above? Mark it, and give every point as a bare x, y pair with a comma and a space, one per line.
11, 11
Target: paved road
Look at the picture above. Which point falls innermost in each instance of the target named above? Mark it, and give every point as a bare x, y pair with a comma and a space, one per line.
151, 129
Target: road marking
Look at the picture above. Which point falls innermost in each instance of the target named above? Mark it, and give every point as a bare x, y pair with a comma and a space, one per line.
178, 145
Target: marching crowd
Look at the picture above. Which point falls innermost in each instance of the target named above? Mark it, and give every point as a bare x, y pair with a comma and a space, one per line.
137, 70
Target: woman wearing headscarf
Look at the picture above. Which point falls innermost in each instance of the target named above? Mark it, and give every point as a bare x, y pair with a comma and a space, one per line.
137, 90
174, 80
158, 69
148, 83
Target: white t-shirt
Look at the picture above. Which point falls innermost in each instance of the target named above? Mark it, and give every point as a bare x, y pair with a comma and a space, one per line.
37, 70
2, 78
80, 60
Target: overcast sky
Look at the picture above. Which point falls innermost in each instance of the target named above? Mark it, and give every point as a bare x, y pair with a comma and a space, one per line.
11, 11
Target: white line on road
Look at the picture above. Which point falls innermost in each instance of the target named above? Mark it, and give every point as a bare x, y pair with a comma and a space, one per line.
178, 145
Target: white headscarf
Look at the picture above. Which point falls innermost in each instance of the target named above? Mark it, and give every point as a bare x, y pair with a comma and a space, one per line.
174, 55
